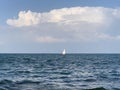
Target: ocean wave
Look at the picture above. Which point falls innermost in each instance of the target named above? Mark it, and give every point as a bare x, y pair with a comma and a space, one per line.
90, 80
28, 82
25, 81
5, 81
98, 88
2, 88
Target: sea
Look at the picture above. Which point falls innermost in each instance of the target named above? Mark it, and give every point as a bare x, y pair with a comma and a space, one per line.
59, 72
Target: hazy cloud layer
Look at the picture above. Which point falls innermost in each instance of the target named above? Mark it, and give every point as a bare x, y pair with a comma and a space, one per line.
76, 24
48, 39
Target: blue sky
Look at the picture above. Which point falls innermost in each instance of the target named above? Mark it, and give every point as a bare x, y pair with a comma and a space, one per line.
44, 26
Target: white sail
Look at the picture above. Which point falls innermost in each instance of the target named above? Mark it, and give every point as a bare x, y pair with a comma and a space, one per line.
64, 52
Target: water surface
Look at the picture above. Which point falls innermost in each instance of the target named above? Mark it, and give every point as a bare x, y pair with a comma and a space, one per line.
57, 72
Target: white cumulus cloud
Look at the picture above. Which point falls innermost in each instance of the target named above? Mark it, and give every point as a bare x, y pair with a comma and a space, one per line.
64, 15
70, 24
25, 19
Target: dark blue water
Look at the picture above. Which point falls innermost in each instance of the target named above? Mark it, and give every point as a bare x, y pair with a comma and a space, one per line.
57, 72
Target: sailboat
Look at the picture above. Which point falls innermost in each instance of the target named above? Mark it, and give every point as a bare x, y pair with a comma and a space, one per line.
64, 52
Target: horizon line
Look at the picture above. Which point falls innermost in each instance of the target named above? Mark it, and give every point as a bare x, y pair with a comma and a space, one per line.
56, 53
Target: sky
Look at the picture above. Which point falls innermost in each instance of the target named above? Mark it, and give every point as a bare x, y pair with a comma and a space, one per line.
49, 26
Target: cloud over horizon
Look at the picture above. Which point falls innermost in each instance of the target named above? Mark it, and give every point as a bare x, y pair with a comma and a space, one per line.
73, 15
73, 24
